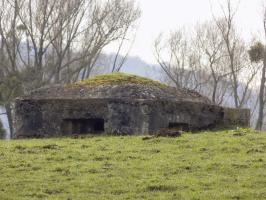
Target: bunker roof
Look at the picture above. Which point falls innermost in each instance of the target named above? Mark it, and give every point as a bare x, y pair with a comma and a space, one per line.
117, 86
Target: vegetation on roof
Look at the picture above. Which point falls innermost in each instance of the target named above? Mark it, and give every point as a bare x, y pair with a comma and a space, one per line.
119, 79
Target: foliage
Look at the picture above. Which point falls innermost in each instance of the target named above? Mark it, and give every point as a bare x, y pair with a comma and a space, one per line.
208, 165
118, 78
256, 52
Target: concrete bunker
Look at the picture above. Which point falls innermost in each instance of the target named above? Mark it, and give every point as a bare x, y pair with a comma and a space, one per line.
118, 103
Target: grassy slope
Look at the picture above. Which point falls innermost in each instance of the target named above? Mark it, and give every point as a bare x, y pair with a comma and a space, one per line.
219, 165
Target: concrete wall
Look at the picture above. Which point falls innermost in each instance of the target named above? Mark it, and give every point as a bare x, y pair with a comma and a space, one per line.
236, 117
44, 118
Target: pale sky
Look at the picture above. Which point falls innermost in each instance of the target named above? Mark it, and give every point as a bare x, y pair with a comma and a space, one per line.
168, 15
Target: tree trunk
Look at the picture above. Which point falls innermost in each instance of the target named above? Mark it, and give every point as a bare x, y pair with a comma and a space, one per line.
57, 73
214, 91
261, 95
9, 118
235, 83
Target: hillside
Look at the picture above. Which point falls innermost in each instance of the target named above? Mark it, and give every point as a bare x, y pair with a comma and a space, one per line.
218, 165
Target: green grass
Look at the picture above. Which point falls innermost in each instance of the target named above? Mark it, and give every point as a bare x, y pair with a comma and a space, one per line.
208, 165
119, 79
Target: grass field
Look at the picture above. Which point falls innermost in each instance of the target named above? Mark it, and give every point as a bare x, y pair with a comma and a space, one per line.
208, 165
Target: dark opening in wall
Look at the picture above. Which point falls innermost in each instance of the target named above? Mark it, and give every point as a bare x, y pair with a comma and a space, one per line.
179, 126
83, 126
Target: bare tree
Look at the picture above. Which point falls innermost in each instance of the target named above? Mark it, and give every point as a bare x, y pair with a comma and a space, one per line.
47, 41
257, 53
212, 51
237, 55
116, 18
175, 57
120, 60
65, 31
10, 41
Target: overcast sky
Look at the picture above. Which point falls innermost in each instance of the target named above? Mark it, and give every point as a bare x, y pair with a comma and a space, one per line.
166, 15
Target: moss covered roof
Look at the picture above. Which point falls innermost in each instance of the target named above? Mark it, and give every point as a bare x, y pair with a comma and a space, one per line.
117, 86
118, 79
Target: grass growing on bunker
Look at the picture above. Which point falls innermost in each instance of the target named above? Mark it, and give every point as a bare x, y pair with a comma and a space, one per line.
216, 165
119, 78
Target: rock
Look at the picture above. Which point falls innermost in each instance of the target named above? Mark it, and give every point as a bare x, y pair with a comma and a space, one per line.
169, 133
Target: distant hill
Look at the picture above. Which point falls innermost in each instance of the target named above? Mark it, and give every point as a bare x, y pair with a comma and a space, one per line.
132, 65
136, 65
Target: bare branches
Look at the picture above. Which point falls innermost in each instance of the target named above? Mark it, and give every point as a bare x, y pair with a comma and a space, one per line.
175, 57
53, 39
48, 41
211, 49
214, 61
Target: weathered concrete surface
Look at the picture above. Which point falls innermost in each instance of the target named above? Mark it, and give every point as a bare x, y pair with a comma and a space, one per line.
125, 91
47, 117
